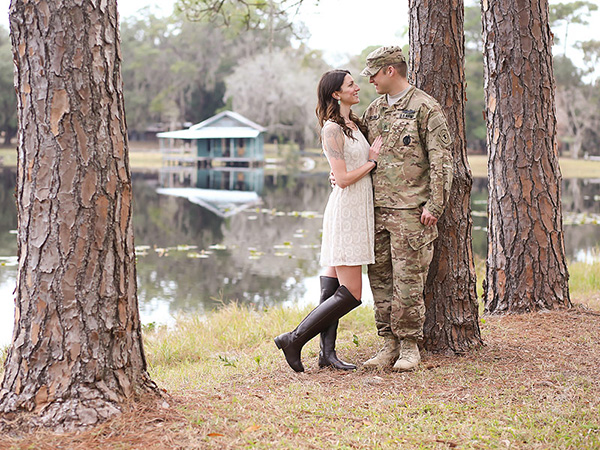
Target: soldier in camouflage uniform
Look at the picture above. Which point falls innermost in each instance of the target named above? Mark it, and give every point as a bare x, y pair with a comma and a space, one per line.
411, 185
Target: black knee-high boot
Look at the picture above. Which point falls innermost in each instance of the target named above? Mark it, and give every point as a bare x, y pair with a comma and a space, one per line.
328, 312
327, 355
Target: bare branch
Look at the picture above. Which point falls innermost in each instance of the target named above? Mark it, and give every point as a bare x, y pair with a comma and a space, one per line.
249, 14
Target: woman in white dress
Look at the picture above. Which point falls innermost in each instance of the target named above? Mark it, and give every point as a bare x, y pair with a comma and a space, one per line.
348, 228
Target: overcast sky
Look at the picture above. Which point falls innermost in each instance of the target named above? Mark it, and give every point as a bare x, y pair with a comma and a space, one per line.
346, 27
326, 23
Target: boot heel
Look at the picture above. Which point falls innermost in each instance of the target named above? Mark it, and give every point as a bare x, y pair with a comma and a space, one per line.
278, 342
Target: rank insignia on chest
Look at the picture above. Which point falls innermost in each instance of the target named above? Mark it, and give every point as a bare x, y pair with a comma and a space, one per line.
386, 127
407, 114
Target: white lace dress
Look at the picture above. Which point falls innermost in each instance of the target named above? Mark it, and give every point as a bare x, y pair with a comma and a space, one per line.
348, 223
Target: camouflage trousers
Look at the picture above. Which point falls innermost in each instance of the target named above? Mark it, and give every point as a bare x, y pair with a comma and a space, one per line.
403, 252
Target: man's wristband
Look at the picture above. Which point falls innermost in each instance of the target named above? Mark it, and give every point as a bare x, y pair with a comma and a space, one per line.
374, 162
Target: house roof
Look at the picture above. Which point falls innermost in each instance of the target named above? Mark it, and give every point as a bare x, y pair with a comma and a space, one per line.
223, 203
226, 124
211, 133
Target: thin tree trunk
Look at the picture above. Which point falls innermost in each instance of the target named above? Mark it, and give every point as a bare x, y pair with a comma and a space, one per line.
437, 67
576, 148
9, 133
526, 265
77, 349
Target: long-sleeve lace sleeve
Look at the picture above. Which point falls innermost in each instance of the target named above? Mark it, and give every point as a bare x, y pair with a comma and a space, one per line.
332, 138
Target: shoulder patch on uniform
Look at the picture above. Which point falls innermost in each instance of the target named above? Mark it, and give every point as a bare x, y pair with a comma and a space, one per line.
445, 137
435, 122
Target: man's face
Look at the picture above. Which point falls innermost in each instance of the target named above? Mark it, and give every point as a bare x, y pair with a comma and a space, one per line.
381, 80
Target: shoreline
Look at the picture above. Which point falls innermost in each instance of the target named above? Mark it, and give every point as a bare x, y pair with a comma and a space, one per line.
145, 160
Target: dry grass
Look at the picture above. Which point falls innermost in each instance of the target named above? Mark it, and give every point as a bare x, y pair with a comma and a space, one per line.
584, 283
534, 385
570, 168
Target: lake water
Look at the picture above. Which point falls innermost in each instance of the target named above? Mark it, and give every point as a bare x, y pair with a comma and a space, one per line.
204, 238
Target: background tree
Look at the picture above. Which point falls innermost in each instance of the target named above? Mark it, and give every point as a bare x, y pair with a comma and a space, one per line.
570, 13
526, 265
8, 99
577, 95
249, 14
474, 105
578, 101
591, 58
168, 61
437, 67
277, 90
76, 352
174, 69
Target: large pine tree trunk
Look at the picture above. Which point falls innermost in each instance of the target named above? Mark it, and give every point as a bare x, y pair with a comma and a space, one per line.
526, 267
77, 349
437, 67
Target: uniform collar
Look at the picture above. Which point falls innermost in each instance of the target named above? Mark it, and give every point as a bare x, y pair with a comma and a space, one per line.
400, 104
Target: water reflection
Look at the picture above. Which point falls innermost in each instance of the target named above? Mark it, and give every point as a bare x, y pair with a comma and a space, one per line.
261, 249
195, 254
581, 217
224, 191
8, 251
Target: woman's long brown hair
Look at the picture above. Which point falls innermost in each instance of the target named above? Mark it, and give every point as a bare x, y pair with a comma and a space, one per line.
328, 108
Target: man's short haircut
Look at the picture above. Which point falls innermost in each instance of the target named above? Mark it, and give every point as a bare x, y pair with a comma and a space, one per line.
402, 69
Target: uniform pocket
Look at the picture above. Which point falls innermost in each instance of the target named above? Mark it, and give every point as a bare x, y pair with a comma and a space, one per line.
402, 136
422, 238
399, 126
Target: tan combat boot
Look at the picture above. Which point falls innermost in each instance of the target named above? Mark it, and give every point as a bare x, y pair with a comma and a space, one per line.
409, 356
386, 356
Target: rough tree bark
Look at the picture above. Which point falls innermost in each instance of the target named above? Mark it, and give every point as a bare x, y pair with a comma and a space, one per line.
437, 67
526, 267
76, 352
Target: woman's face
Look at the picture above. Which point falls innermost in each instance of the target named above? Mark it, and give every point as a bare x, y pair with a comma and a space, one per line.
348, 93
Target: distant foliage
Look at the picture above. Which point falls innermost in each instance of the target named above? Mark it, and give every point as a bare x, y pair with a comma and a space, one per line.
211, 55
8, 99
174, 69
278, 90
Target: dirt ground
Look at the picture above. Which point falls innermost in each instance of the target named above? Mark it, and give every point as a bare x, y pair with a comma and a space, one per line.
545, 362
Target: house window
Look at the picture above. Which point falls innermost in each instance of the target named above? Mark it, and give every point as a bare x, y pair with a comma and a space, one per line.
241, 147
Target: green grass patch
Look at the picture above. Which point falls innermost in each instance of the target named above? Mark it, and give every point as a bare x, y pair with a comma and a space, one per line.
236, 338
584, 283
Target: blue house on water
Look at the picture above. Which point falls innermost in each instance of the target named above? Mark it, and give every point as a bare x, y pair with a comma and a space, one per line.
227, 138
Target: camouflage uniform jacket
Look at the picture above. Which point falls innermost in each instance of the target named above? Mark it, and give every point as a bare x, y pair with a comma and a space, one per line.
415, 161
